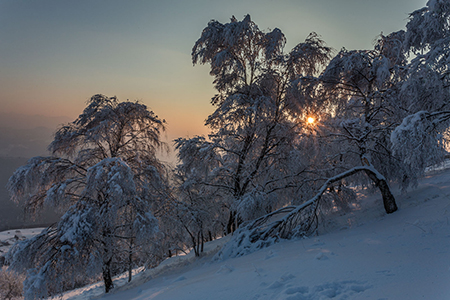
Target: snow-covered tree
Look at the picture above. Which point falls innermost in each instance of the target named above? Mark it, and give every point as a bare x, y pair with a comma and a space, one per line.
201, 210
356, 100
254, 127
105, 177
422, 138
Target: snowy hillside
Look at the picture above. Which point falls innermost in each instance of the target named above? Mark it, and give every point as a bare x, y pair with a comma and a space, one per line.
9, 237
364, 255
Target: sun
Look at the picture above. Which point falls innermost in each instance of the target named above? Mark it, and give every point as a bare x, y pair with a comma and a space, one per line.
310, 120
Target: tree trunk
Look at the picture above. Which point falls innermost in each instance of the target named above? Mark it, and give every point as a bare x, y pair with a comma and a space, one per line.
130, 261
194, 242
107, 259
231, 222
107, 276
234, 221
203, 242
197, 252
388, 199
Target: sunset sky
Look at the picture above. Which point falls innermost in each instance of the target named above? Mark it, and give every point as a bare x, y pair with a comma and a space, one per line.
54, 55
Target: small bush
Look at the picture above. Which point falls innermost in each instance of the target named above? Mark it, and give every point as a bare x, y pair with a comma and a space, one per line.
11, 284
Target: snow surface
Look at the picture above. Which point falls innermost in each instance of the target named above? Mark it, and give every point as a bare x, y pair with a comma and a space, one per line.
365, 254
9, 237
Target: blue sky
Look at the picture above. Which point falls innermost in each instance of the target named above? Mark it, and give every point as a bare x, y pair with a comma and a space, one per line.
54, 55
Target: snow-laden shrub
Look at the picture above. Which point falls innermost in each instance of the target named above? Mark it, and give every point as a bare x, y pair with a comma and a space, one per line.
243, 242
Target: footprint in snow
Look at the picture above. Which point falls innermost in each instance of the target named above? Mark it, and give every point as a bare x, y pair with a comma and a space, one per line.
287, 276
317, 242
385, 272
275, 285
270, 254
297, 290
341, 289
225, 269
281, 282
181, 278
321, 256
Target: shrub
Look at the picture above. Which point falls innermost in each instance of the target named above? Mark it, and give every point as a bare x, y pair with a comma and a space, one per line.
11, 284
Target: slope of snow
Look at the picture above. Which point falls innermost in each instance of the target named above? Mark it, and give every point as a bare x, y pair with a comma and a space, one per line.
363, 255
9, 237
